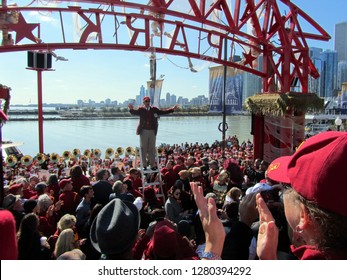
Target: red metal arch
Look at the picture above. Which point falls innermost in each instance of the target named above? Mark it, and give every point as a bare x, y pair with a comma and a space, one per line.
200, 30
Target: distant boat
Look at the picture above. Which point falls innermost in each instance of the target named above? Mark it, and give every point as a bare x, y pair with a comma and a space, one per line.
317, 123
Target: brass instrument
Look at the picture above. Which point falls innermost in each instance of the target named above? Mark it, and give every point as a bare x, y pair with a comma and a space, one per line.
160, 150
87, 153
137, 150
109, 152
40, 158
66, 155
116, 155
76, 152
130, 151
11, 160
97, 153
26, 160
120, 151
55, 157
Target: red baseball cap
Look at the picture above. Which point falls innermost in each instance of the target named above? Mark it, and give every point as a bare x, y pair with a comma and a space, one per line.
316, 170
146, 98
64, 182
277, 170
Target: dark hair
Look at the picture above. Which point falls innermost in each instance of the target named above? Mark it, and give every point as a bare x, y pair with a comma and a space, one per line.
114, 170
52, 179
100, 174
76, 171
85, 189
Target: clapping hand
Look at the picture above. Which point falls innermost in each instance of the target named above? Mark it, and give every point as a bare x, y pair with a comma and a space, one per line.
213, 227
268, 232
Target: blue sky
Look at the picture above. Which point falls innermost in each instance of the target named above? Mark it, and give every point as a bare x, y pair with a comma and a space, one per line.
118, 75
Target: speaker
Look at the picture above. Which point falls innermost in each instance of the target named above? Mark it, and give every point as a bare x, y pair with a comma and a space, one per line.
39, 60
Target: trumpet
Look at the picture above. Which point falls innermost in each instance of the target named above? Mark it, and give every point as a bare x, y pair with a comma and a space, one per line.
116, 155
97, 153
40, 158
26, 160
137, 150
11, 160
87, 153
76, 152
130, 151
109, 152
160, 150
55, 157
66, 155
120, 151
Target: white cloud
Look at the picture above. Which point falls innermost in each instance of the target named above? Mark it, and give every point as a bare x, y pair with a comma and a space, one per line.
47, 17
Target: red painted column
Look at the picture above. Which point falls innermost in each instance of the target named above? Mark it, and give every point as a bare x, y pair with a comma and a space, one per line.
258, 136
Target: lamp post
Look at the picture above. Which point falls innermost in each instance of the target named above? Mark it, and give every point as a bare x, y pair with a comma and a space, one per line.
338, 123
40, 61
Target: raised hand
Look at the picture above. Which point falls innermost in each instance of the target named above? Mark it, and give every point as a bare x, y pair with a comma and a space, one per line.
213, 227
268, 232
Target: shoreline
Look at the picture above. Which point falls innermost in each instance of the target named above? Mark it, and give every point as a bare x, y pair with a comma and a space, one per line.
115, 116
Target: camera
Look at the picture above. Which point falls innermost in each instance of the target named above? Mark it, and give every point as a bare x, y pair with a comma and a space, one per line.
270, 195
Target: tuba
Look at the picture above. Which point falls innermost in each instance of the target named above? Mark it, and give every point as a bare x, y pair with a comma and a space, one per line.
87, 153
130, 151
97, 153
109, 152
40, 158
66, 155
26, 160
76, 152
54, 157
120, 151
11, 160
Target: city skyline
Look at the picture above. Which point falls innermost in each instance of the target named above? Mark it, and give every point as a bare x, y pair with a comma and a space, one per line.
118, 75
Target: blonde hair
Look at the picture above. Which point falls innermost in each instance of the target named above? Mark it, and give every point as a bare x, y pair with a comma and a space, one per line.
65, 242
67, 221
184, 174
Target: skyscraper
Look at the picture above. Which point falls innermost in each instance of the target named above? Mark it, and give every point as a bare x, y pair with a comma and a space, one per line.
341, 73
341, 40
329, 74
314, 85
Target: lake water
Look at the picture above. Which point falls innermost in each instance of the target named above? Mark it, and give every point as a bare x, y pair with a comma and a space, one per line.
102, 134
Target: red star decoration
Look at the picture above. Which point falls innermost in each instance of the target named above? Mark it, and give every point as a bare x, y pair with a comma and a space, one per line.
23, 29
249, 58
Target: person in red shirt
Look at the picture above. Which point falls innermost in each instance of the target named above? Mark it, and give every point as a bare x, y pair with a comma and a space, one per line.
179, 166
69, 197
136, 182
78, 179
148, 128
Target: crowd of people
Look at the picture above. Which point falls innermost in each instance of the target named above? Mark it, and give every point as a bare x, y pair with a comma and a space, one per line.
213, 203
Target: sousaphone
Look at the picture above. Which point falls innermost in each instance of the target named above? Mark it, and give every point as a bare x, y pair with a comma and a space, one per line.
26, 160
87, 153
76, 153
66, 155
109, 152
55, 158
11, 160
97, 153
40, 158
120, 151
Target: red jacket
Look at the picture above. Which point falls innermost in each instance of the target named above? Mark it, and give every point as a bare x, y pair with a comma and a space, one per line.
151, 116
71, 200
